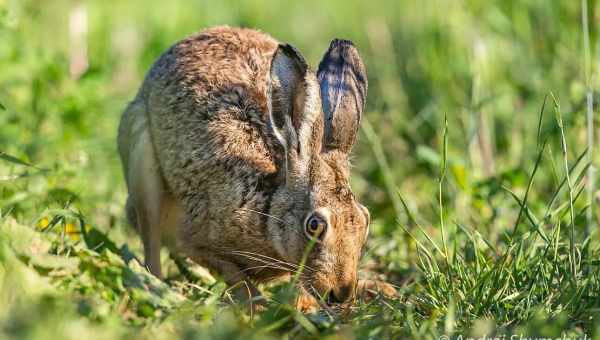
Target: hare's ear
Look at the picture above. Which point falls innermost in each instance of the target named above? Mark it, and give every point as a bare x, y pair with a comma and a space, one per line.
343, 80
294, 101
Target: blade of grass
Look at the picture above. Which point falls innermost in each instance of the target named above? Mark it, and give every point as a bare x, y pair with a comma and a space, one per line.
419, 244
440, 184
529, 184
15, 160
539, 128
505, 258
570, 187
534, 221
441, 202
562, 184
589, 116
414, 221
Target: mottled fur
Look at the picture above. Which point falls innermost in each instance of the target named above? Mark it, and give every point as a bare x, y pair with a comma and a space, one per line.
226, 149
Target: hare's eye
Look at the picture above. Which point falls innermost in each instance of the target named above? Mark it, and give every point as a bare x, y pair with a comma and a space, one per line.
315, 226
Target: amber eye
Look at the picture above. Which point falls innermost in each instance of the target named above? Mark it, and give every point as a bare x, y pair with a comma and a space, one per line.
315, 226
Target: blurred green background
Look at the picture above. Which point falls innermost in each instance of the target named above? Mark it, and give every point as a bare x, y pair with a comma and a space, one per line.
68, 69
485, 65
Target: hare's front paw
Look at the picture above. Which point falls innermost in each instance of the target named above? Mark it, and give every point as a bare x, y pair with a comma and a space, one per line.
369, 289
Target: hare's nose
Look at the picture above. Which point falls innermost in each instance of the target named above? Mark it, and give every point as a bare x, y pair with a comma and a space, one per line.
343, 293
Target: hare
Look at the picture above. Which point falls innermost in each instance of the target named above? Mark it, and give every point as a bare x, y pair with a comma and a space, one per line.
235, 153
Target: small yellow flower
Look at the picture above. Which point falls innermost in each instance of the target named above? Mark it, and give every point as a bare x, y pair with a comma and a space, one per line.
72, 231
43, 223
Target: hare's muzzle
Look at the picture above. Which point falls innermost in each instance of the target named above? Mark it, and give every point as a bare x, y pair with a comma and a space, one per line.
343, 293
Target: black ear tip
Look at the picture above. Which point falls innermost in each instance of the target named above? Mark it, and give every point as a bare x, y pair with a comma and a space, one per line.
343, 49
341, 43
343, 46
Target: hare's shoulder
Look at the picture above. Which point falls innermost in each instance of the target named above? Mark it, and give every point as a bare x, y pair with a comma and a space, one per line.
208, 95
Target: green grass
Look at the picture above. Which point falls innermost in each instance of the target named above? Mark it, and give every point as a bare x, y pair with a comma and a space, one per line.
473, 159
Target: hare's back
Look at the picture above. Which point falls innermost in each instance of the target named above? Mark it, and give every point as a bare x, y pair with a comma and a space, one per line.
206, 98
221, 65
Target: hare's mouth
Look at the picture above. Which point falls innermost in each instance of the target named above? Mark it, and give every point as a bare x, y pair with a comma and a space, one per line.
320, 291
328, 297
329, 293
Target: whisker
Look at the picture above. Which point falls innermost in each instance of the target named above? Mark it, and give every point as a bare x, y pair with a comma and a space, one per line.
265, 214
274, 267
279, 263
265, 266
262, 257
265, 257
242, 252
298, 269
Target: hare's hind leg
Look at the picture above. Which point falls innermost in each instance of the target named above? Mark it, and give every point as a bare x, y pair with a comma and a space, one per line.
146, 191
144, 182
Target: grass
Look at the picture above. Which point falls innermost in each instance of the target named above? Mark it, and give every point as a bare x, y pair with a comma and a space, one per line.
479, 183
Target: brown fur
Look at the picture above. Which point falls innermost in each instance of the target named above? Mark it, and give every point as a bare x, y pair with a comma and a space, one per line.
226, 149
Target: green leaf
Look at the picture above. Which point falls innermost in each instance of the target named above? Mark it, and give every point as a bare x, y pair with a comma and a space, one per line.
13, 159
98, 241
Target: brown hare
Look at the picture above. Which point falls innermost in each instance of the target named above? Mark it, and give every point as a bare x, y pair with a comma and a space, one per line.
235, 153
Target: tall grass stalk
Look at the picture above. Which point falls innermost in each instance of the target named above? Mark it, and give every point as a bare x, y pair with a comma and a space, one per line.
563, 143
440, 186
443, 167
589, 115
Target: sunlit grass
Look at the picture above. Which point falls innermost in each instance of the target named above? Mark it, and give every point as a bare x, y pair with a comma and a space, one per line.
477, 180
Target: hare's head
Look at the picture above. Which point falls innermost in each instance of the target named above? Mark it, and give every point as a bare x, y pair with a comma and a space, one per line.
315, 117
